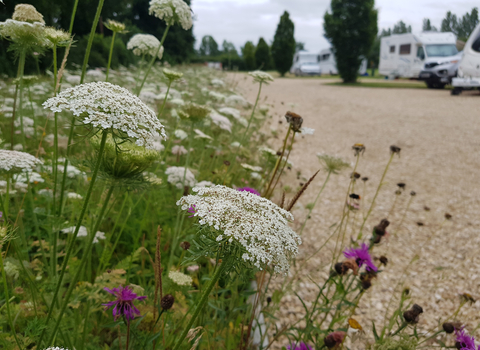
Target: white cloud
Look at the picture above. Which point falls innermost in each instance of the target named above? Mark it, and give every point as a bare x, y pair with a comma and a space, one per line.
241, 20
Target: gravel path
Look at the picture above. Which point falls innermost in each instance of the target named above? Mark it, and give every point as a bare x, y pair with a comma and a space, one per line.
439, 137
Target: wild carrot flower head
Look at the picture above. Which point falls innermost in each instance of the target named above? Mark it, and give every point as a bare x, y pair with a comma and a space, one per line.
332, 164
115, 26
257, 224
171, 74
16, 161
249, 189
24, 34
261, 77
27, 13
361, 256
57, 37
144, 44
123, 304
108, 106
172, 11
463, 341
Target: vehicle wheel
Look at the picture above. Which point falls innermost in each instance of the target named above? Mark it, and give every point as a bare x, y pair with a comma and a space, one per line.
435, 85
456, 91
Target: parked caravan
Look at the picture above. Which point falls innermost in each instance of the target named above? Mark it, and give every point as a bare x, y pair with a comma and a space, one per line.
305, 63
429, 56
469, 68
328, 64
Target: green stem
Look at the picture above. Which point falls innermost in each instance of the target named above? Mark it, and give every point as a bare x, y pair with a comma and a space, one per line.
75, 234
376, 193
110, 55
7, 301
85, 256
65, 166
74, 11
90, 39
315, 202
280, 158
21, 68
200, 304
152, 61
165, 99
284, 164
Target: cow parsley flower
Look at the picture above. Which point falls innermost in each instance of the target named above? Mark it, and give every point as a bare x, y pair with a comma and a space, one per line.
176, 174
171, 74
261, 77
107, 106
57, 37
172, 11
115, 26
223, 122
17, 161
179, 150
24, 33
180, 278
27, 13
55, 348
144, 44
256, 223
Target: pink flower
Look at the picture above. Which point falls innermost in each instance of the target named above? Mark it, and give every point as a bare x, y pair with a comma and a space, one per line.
124, 302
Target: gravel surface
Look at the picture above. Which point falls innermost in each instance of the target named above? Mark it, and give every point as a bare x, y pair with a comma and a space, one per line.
439, 137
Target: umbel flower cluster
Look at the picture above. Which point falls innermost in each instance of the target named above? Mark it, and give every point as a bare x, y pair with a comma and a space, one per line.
17, 161
258, 224
172, 11
144, 44
108, 106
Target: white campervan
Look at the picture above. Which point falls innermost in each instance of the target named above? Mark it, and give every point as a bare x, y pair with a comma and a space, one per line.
305, 63
328, 64
469, 68
429, 56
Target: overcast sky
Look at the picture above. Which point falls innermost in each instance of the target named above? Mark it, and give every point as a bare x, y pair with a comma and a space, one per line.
241, 20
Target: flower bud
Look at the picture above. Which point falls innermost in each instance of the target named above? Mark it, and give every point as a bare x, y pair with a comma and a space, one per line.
167, 302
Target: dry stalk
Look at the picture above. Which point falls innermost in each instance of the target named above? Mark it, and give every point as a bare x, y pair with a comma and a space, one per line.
62, 67
299, 193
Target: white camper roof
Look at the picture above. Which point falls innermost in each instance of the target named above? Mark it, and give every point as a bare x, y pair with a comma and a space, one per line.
425, 38
306, 54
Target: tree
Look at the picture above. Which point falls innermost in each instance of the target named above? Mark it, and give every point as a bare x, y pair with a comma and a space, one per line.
461, 27
262, 55
427, 26
351, 27
449, 23
401, 28
248, 52
229, 48
283, 47
208, 47
299, 46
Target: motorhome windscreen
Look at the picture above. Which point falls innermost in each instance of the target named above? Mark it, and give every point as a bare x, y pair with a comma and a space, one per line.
441, 50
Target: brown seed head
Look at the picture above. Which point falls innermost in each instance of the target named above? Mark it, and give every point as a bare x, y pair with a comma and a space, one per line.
448, 216
413, 193
226, 162
294, 120
383, 260
365, 179
448, 327
401, 185
167, 301
355, 175
410, 317
185, 245
417, 309
358, 148
395, 149
426, 208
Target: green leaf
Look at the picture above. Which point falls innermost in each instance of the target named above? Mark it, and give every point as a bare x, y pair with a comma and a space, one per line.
375, 332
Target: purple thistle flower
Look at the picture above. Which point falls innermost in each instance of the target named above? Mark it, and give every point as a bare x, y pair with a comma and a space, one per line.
192, 211
249, 189
124, 302
301, 346
464, 341
361, 256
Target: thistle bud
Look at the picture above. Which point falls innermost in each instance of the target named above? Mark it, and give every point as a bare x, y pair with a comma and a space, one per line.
294, 120
185, 245
167, 301
395, 149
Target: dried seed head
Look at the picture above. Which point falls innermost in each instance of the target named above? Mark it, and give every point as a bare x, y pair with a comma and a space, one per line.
355, 175
410, 317
365, 179
420, 223
340, 269
334, 339
448, 327
426, 208
354, 196
185, 245
417, 309
395, 149
413, 193
358, 148
226, 162
294, 120
269, 300
406, 291
401, 185
167, 301
448, 216
366, 284
383, 260
398, 192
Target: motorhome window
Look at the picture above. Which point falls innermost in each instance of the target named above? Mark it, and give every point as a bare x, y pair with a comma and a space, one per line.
392, 49
421, 53
441, 50
476, 45
318, 58
405, 49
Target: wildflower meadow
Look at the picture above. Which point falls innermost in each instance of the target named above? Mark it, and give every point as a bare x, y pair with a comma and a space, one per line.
149, 207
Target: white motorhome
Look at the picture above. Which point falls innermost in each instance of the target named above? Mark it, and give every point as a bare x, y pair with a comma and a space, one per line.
328, 64
429, 56
469, 68
305, 63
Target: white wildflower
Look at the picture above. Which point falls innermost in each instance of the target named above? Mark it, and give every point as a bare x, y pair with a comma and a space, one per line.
56, 348
202, 135
267, 150
152, 178
218, 82
73, 195
32, 177
258, 224
27, 13
219, 238
176, 174
172, 11
96, 74
180, 278
171, 74
255, 175
108, 106
18, 147
193, 268
73, 79
205, 184
99, 235
144, 44
222, 122
234, 100
307, 131
115, 26
82, 232
29, 34
179, 150
45, 192
216, 96
232, 112
17, 161
180, 134
261, 77
251, 167
11, 270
